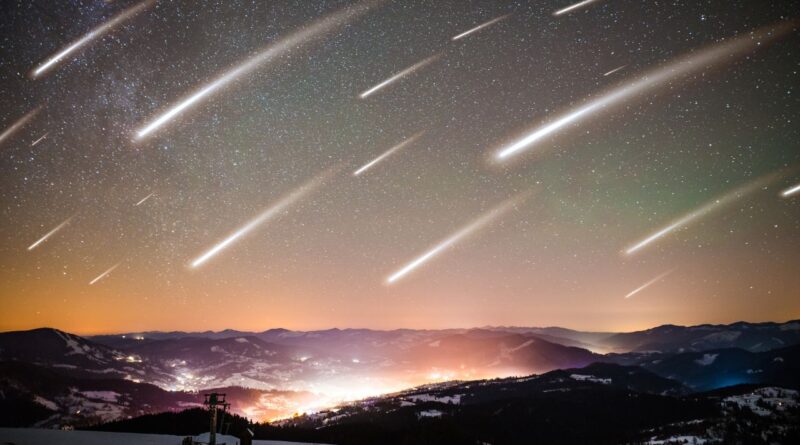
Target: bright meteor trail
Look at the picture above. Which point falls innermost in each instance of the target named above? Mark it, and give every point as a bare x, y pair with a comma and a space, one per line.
94, 34
141, 201
388, 153
462, 233
50, 233
36, 142
271, 53
614, 70
481, 26
270, 213
661, 76
648, 284
398, 76
103, 275
18, 124
790, 191
573, 7
704, 210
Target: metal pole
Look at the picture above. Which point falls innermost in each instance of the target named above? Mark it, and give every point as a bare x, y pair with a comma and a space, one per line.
212, 432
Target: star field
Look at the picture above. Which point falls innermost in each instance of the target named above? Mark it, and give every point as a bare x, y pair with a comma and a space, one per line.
592, 189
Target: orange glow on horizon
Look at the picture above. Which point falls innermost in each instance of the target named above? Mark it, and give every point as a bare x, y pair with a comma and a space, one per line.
131, 300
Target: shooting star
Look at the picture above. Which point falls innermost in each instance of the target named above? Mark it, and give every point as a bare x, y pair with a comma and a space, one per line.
50, 233
388, 153
399, 76
40, 139
573, 7
270, 213
790, 191
705, 209
271, 53
649, 283
144, 199
462, 233
18, 124
94, 34
660, 76
614, 70
104, 274
481, 26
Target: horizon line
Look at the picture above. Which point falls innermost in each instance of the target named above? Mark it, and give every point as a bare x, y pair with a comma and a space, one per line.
487, 327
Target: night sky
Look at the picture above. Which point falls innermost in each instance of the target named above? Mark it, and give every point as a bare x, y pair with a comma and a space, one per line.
545, 234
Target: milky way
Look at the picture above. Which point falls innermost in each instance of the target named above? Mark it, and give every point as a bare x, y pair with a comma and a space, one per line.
254, 164
90, 36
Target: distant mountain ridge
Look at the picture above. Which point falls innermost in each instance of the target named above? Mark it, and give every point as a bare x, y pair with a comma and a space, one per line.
280, 378
716, 368
755, 337
277, 372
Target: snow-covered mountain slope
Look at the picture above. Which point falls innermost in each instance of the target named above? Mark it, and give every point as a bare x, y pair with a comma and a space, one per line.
754, 337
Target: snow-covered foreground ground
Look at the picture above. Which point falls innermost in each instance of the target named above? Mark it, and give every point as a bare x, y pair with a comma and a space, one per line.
33, 436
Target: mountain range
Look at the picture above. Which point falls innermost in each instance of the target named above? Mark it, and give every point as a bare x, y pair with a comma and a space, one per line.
61, 378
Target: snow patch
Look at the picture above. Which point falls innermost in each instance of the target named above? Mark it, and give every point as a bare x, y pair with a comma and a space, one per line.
590, 378
105, 396
706, 360
71, 343
722, 337
454, 399
49, 404
677, 440
523, 345
765, 401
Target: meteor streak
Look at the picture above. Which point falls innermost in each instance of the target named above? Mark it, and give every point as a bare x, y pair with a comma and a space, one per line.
270, 213
399, 76
18, 124
462, 233
790, 191
40, 139
103, 275
573, 7
704, 210
50, 233
269, 54
94, 34
144, 199
614, 70
481, 26
388, 153
649, 283
660, 76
